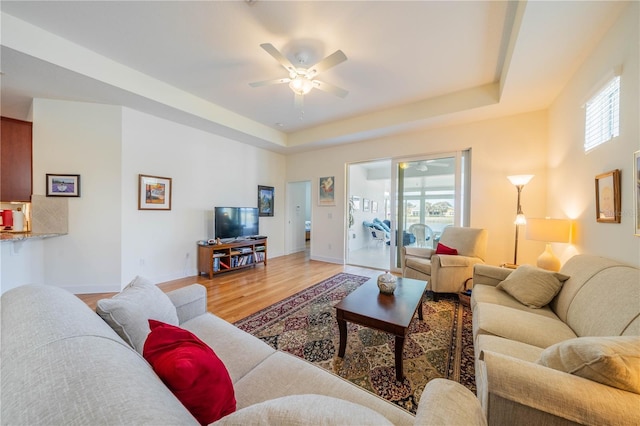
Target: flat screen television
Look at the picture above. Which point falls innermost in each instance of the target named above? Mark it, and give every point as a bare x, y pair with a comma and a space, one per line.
234, 222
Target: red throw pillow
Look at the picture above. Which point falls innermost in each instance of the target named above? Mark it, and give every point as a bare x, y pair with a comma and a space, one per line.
191, 370
442, 249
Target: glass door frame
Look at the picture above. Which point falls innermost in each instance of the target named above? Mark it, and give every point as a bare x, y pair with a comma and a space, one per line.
461, 195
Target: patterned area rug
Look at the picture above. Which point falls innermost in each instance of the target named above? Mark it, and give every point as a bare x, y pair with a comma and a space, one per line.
305, 325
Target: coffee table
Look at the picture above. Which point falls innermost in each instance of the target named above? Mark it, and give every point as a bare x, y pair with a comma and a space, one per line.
390, 313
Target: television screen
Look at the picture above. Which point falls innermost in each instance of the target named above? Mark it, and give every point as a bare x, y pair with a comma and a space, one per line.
233, 222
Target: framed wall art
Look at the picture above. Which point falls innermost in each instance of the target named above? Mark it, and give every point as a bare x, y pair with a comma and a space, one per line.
63, 185
356, 202
636, 191
608, 197
366, 205
154, 193
374, 207
326, 191
265, 200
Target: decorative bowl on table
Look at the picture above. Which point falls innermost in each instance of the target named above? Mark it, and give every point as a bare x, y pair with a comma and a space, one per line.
387, 283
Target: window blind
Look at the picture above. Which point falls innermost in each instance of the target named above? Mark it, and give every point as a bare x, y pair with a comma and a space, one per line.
603, 115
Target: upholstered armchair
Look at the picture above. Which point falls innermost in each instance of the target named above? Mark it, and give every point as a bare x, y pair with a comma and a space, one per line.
446, 273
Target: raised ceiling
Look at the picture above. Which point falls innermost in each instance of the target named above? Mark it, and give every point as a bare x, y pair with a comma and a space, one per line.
410, 64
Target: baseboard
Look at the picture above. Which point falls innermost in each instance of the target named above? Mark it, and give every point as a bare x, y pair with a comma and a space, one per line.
328, 259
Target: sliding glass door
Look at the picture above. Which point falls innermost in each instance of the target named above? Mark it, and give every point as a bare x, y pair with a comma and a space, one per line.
403, 202
431, 194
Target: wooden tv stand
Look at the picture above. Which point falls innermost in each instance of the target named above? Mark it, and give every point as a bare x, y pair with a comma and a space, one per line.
239, 254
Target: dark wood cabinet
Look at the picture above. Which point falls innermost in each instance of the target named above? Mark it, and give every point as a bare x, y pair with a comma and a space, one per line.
15, 160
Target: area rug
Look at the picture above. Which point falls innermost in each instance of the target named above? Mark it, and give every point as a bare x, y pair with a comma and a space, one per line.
305, 325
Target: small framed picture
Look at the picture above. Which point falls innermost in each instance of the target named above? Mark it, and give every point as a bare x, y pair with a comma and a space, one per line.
374, 207
265, 200
366, 204
63, 185
608, 197
636, 190
356, 202
326, 191
154, 193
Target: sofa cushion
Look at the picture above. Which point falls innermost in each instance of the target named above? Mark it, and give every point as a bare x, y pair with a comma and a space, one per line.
523, 326
191, 370
283, 374
491, 294
442, 249
613, 361
239, 351
129, 311
512, 348
305, 410
446, 402
532, 286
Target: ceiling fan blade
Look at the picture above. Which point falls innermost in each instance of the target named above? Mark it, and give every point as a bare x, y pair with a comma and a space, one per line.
298, 101
271, 50
330, 88
332, 60
269, 82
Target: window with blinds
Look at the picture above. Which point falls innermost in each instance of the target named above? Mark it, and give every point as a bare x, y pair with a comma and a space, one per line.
603, 115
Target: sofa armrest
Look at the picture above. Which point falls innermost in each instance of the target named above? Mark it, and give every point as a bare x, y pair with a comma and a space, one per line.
515, 389
445, 402
489, 274
190, 301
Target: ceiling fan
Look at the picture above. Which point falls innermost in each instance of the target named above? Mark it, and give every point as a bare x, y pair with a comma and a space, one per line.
301, 80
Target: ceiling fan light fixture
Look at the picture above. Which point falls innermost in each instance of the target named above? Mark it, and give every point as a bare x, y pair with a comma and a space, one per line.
301, 85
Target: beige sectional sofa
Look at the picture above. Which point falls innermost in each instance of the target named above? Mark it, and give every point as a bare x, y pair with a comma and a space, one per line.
590, 328
62, 364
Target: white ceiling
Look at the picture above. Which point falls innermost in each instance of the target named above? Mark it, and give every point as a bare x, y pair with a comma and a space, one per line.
410, 64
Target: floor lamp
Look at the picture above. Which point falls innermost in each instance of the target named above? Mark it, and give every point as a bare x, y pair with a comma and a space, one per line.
519, 181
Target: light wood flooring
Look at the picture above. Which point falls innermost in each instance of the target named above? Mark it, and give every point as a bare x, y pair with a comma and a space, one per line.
238, 294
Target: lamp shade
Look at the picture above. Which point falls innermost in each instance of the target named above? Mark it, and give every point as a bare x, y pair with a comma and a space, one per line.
520, 179
549, 230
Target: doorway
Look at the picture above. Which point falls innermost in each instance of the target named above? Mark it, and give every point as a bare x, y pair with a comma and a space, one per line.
404, 202
369, 216
299, 216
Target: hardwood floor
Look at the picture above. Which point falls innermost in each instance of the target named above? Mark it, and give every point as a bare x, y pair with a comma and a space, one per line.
235, 295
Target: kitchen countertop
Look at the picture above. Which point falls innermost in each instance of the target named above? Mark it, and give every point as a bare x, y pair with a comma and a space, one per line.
21, 236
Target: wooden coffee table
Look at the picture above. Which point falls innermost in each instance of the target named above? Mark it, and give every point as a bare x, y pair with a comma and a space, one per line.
390, 313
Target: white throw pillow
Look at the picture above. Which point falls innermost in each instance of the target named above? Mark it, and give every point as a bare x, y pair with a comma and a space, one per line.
532, 286
304, 410
613, 361
129, 311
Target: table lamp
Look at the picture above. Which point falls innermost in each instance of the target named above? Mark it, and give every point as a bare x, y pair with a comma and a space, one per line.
549, 231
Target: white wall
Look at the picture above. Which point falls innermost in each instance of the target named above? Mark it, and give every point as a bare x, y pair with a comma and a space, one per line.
571, 190
21, 263
110, 240
206, 171
501, 147
84, 139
